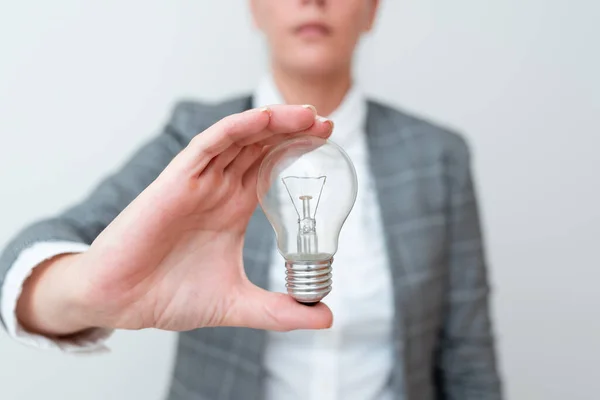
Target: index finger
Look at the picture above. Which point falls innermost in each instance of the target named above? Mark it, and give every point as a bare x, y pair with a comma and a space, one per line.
248, 127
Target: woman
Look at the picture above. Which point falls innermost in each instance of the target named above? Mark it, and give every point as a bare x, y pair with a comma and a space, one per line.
174, 239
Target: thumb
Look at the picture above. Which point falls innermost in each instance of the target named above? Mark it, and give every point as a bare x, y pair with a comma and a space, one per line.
260, 309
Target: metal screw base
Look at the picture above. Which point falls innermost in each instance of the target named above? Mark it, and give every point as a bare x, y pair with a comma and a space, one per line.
308, 281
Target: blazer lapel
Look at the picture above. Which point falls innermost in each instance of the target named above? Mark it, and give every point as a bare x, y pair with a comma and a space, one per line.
386, 158
258, 248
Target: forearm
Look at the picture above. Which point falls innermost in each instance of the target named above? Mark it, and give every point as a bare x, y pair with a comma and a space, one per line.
51, 302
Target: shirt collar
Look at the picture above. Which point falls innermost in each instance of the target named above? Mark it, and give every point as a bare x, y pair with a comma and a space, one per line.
349, 118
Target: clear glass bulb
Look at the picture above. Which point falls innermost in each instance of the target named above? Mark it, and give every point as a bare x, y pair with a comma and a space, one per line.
307, 187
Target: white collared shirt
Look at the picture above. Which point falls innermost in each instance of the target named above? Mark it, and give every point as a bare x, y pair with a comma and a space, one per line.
353, 359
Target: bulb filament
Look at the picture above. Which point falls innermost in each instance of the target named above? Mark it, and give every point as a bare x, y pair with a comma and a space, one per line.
307, 234
307, 242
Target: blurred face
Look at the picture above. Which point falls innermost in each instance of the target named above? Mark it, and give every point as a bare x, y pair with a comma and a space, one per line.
313, 37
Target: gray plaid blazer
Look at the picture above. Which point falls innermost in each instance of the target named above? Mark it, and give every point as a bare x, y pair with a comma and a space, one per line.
443, 338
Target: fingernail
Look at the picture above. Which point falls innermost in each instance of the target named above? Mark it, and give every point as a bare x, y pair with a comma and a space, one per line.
325, 120
265, 110
314, 110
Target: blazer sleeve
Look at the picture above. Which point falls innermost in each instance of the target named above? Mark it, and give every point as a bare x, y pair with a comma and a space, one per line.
466, 367
83, 222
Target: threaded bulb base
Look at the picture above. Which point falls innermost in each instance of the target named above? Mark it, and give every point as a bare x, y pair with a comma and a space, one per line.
308, 281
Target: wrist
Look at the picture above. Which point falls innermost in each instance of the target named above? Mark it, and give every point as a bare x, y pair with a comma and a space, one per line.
50, 303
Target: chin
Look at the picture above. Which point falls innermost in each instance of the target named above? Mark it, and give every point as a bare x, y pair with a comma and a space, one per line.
313, 63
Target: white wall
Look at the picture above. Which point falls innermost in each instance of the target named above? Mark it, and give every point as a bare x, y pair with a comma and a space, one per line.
519, 77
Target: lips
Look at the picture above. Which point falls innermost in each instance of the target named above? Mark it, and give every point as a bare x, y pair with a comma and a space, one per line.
313, 30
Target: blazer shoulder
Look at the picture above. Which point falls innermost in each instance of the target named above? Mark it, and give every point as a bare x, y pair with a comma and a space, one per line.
190, 117
421, 132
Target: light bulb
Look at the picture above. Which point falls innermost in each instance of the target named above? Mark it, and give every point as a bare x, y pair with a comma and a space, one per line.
307, 187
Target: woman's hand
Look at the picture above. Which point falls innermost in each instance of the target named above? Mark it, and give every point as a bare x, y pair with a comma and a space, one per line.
173, 258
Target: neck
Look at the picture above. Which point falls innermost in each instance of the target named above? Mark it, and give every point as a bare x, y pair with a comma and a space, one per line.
326, 92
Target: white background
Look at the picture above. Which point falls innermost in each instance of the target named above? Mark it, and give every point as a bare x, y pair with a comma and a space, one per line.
83, 83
